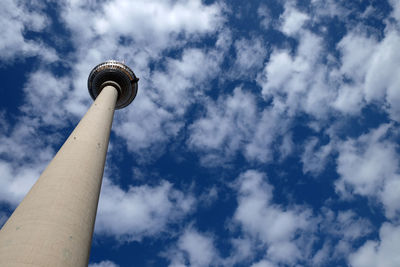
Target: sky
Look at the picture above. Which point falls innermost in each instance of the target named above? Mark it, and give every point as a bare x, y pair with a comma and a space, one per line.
264, 133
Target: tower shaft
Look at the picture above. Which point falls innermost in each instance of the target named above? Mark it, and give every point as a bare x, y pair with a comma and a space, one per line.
53, 225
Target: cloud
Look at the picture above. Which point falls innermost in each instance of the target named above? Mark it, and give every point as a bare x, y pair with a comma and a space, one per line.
329, 8
263, 263
16, 18
142, 210
23, 156
379, 253
292, 20
298, 83
264, 14
342, 230
227, 124
103, 264
313, 81
396, 9
54, 93
286, 226
250, 55
314, 157
169, 18
176, 85
233, 124
368, 166
195, 248
372, 66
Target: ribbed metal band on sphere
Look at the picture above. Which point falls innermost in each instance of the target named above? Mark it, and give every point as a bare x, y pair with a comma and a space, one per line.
117, 74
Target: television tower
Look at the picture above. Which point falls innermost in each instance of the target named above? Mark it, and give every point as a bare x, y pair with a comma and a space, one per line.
53, 225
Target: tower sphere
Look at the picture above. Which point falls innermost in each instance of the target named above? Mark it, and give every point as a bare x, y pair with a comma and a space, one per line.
117, 74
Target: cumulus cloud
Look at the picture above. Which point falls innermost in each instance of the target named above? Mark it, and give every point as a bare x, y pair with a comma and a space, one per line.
343, 229
264, 14
250, 55
286, 226
23, 156
300, 82
379, 253
227, 124
103, 264
314, 157
311, 80
396, 9
292, 19
54, 92
195, 248
142, 210
263, 263
368, 166
233, 124
168, 18
16, 18
372, 66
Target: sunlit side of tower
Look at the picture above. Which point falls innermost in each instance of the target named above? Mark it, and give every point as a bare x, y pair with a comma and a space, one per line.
53, 225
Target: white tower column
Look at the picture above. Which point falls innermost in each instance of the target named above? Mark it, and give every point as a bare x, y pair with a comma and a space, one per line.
53, 225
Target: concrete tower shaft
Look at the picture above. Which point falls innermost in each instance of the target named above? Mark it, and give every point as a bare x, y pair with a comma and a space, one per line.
53, 225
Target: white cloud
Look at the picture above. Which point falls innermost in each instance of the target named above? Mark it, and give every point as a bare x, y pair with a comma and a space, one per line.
298, 82
292, 20
103, 264
227, 124
47, 101
382, 78
23, 156
142, 210
349, 100
286, 226
356, 51
168, 18
314, 157
177, 87
157, 127
329, 8
342, 229
164, 99
195, 248
264, 14
372, 67
268, 127
368, 166
233, 124
311, 80
15, 182
263, 263
396, 9
379, 253
243, 248
250, 55
17, 17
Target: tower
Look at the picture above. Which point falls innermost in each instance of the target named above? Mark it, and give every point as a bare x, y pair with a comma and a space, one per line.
53, 225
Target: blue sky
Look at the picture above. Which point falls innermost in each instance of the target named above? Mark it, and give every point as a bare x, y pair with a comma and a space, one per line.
264, 133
